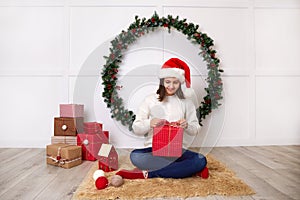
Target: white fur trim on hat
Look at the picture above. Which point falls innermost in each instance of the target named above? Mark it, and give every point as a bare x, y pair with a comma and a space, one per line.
189, 93
172, 72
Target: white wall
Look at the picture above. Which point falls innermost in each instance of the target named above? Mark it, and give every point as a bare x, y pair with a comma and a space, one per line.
51, 52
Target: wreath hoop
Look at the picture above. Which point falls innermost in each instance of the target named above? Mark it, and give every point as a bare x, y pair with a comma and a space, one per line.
141, 27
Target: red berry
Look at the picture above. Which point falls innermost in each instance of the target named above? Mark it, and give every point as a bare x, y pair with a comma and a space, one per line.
197, 35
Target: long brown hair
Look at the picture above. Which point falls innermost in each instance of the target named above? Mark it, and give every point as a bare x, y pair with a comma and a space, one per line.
162, 91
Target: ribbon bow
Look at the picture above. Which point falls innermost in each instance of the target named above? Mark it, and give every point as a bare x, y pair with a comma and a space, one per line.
173, 124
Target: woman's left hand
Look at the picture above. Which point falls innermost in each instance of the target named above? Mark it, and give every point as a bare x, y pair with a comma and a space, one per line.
182, 123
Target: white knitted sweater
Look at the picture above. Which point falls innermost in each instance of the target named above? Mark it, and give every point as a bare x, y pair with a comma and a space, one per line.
171, 109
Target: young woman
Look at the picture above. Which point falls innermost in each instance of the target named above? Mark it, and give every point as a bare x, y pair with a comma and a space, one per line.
170, 103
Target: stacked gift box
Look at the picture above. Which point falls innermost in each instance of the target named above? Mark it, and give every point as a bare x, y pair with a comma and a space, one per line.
93, 142
69, 124
64, 155
75, 140
64, 139
63, 150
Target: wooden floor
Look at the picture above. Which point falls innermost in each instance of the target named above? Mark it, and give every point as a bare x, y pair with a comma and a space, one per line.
272, 171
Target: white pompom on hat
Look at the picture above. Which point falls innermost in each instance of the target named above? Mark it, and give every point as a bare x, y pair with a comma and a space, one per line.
177, 68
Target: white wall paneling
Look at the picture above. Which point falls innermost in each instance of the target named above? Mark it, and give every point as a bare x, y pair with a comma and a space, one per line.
51, 52
28, 105
31, 40
230, 31
91, 27
277, 109
277, 72
277, 39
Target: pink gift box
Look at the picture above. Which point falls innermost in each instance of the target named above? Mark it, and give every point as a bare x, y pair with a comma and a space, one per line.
71, 110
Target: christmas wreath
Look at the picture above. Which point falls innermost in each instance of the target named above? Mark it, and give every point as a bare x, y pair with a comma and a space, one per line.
141, 27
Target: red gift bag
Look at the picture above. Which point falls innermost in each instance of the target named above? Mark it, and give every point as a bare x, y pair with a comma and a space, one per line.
167, 140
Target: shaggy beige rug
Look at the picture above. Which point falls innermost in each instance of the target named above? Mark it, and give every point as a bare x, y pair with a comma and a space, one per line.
222, 181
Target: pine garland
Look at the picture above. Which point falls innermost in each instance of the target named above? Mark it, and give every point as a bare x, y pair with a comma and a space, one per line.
136, 30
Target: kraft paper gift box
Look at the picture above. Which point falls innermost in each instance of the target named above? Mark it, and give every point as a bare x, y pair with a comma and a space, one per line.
67, 126
64, 139
92, 127
63, 155
167, 140
90, 144
108, 158
71, 110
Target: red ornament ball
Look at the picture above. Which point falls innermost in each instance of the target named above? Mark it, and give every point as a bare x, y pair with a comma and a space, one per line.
101, 183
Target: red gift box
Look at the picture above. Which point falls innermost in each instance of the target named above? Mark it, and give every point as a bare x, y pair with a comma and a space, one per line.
106, 133
108, 158
167, 140
91, 144
71, 110
92, 127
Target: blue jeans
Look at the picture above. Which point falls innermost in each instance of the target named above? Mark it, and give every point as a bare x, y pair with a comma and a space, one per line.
185, 166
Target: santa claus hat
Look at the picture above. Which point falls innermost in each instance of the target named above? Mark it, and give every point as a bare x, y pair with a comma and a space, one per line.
177, 68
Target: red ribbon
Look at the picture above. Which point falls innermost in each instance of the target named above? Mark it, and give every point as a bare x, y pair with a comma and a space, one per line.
174, 124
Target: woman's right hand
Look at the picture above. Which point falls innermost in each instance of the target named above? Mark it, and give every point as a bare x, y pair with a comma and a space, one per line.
156, 122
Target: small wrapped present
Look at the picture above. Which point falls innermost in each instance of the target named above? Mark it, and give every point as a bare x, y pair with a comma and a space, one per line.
67, 126
90, 144
92, 127
167, 140
63, 155
71, 110
64, 139
108, 158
